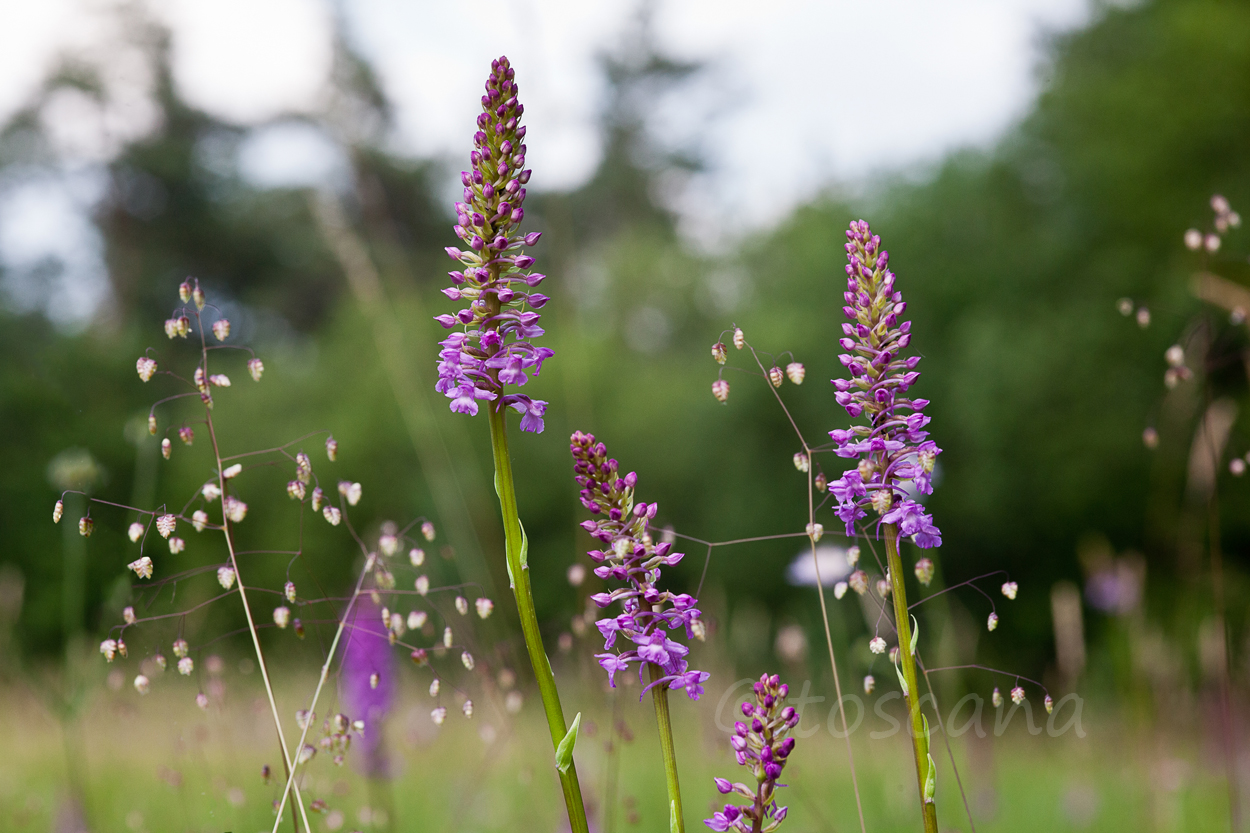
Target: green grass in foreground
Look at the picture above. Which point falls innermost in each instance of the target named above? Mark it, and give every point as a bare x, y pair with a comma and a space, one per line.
160, 764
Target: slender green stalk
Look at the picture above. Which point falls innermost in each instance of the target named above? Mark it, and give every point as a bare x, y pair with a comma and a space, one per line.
660, 694
519, 571
902, 624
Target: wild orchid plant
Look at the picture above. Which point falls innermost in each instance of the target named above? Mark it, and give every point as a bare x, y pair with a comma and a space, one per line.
760, 743
896, 467
218, 506
632, 556
492, 352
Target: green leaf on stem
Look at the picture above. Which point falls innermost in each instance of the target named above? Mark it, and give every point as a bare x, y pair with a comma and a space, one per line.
915, 634
564, 751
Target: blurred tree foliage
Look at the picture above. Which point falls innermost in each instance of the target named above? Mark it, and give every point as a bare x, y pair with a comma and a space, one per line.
1012, 259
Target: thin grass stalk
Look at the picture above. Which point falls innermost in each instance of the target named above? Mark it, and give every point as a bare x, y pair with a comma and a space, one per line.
247, 609
519, 572
902, 624
321, 681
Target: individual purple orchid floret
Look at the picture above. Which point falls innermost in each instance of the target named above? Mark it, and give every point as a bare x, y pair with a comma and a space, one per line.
632, 557
896, 456
494, 350
760, 743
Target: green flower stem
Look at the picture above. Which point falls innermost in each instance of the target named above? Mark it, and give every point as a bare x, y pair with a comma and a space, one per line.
660, 694
520, 576
902, 624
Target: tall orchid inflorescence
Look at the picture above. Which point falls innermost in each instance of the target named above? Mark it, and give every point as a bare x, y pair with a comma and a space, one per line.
896, 456
759, 743
633, 557
494, 349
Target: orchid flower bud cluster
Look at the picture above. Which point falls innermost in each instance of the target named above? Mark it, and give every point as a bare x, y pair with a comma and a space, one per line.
896, 456
632, 556
760, 743
494, 349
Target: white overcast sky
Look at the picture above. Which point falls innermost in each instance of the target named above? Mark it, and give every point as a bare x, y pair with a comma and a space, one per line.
802, 93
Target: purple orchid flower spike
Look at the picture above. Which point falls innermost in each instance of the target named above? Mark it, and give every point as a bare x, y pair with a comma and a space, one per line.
896, 456
494, 351
760, 744
633, 558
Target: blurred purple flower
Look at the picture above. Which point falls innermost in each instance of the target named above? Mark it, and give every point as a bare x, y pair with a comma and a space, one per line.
494, 349
634, 558
896, 456
368, 652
